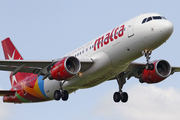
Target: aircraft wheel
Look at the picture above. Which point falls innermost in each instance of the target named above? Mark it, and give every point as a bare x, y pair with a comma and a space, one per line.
141, 80
57, 95
124, 96
117, 97
151, 66
65, 95
147, 67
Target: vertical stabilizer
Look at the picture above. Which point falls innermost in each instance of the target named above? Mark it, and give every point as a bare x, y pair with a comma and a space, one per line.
11, 53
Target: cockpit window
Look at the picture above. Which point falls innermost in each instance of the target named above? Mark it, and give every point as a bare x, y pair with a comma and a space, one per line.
149, 19
152, 18
164, 18
144, 20
157, 17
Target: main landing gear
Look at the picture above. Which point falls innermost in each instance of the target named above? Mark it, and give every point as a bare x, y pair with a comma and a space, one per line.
147, 53
123, 96
58, 94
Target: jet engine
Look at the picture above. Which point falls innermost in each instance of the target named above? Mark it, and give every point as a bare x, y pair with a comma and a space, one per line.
162, 70
65, 68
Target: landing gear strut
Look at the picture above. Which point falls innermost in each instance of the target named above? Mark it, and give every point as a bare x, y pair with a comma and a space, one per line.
147, 53
123, 96
58, 94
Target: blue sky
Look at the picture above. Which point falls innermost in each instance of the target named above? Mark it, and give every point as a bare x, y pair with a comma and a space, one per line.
50, 29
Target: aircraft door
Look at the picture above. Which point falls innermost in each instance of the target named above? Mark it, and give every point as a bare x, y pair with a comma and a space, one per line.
130, 28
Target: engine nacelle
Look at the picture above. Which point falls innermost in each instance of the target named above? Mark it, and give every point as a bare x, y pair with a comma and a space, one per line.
65, 68
162, 70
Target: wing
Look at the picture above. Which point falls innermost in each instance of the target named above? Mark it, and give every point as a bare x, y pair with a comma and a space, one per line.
175, 69
6, 92
28, 66
36, 66
136, 69
133, 70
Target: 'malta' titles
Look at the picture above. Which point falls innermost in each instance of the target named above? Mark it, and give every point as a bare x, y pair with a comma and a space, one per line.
105, 39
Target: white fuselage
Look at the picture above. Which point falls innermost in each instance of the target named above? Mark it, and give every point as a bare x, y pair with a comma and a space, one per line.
112, 56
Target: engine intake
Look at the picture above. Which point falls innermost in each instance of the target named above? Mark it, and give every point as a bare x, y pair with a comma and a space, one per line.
161, 71
65, 68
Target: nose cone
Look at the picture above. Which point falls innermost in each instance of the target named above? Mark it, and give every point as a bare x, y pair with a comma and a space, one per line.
167, 28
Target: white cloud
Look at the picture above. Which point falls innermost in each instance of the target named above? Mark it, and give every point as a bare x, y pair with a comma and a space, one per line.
145, 102
3, 110
6, 109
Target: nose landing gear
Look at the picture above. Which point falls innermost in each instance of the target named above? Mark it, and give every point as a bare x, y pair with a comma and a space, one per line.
147, 53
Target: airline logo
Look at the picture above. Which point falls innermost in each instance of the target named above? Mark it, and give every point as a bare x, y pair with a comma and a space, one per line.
118, 32
13, 80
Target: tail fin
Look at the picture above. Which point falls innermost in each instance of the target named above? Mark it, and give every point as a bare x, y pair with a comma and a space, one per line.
11, 53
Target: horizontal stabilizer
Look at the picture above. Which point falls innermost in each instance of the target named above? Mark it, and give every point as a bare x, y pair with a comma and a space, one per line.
6, 92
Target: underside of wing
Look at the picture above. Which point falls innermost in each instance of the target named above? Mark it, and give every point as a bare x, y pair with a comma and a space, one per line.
175, 69
26, 63
40, 67
6, 92
160, 70
28, 66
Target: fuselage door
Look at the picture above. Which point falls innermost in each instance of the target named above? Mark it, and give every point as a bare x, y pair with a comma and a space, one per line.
130, 27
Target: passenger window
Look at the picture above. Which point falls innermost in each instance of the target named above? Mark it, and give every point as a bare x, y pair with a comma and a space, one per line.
157, 17
149, 19
144, 20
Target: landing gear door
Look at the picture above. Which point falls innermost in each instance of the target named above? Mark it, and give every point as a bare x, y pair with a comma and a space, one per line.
130, 28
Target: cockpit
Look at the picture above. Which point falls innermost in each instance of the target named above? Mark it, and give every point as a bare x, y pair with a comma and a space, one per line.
152, 18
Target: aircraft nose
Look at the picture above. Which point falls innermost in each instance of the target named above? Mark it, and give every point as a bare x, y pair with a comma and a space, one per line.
167, 28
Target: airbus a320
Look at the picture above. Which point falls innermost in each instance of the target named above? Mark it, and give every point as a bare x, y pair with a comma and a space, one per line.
108, 57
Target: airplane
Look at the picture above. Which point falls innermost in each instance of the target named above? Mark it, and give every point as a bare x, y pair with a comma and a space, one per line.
108, 57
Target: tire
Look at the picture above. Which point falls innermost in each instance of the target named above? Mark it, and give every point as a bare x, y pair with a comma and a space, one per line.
117, 97
124, 96
147, 67
57, 95
151, 66
65, 95
141, 80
